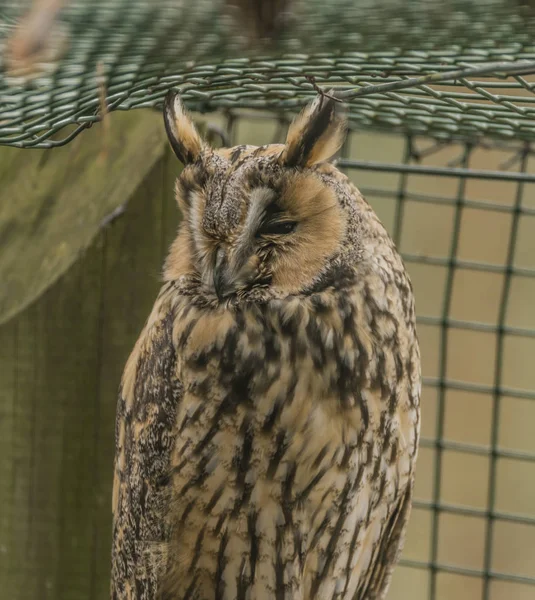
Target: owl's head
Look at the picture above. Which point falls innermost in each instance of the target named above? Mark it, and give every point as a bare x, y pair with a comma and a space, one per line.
266, 221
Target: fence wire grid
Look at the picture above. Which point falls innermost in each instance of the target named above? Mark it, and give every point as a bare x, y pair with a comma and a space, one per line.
448, 69
442, 108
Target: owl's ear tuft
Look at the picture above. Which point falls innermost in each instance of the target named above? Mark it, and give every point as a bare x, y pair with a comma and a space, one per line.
316, 134
181, 132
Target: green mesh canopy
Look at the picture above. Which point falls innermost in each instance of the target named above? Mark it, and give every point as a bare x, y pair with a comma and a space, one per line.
447, 69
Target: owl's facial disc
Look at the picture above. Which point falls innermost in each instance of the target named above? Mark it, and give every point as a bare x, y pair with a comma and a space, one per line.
245, 263
286, 235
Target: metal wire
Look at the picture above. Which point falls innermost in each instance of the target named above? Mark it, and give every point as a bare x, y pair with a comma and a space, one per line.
446, 69
500, 336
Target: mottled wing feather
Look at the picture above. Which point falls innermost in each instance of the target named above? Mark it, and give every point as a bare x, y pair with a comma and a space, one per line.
145, 435
390, 546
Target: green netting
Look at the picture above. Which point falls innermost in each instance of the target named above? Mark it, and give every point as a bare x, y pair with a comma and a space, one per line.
446, 69
462, 181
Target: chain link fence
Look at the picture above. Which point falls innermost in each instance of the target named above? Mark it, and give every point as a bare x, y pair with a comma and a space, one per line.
444, 69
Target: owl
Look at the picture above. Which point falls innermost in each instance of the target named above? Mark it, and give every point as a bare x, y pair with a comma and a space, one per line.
268, 415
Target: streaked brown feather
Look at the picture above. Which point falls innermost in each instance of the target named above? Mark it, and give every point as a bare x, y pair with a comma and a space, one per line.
268, 421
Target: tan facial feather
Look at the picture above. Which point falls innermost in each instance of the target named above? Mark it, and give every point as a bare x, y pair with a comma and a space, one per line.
319, 233
179, 260
180, 197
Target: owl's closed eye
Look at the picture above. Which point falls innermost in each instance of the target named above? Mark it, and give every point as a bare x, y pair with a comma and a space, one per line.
258, 218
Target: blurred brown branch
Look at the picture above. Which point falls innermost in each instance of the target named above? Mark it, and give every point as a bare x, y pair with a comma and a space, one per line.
264, 20
37, 39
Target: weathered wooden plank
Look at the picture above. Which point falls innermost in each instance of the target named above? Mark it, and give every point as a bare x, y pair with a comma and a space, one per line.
8, 458
20, 578
61, 361
62, 451
54, 201
135, 246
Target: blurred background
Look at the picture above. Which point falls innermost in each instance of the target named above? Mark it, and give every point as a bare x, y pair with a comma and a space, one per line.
87, 214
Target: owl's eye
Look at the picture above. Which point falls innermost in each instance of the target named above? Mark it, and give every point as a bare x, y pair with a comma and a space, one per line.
276, 228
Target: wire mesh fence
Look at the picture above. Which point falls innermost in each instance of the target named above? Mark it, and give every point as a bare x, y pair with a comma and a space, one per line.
446, 69
442, 109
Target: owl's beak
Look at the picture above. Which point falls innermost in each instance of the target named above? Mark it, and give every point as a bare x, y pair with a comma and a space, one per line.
222, 285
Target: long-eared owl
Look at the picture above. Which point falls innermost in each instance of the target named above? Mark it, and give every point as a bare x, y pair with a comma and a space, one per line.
268, 416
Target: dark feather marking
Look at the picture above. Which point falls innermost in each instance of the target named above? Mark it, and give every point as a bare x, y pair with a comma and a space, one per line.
389, 545
200, 477
381, 490
221, 564
276, 457
197, 550
191, 419
320, 505
299, 547
220, 523
214, 499
333, 541
319, 458
242, 458
241, 591
190, 592
186, 512
354, 537
273, 415
317, 125
279, 565
350, 554
186, 185
316, 347
254, 541
364, 411
176, 470
241, 462
312, 484
271, 348
222, 409
393, 453
290, 392
184, 155
387, 440
286, 495
377, 467
236, 153
348, 452
340, 278
201, 388
198, 361
289, 324
319, 531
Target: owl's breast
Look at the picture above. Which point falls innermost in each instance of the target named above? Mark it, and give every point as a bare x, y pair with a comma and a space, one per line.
296, 436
